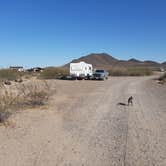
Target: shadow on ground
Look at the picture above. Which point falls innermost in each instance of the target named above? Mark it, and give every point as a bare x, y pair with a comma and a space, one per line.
122, 104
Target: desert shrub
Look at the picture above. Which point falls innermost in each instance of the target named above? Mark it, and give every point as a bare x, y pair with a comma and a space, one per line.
139, 71
28, 75
11, 75
8, 74
118, 72
4, 115
23, 96
54, 73
35, 94
130, 72
8, 100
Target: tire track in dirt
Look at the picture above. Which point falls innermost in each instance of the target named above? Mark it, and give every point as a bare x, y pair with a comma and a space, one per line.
146, 140
90, 128
108, 117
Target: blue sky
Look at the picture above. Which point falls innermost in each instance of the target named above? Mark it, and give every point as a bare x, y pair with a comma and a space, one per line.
53, 32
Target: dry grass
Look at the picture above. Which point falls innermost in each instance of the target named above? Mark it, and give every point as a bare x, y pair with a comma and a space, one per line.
8, 74
35, 94
11, 75
137, 71
23, 96
54, 73
116, 71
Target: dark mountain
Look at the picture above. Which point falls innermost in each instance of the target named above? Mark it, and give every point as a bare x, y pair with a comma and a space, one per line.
104, 60
134, 61
151, 63
97, 60
163, 64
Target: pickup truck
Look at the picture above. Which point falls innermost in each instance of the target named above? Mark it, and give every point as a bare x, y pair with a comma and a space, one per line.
100, 75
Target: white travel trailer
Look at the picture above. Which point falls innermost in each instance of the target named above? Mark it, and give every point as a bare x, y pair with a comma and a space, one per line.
81, 70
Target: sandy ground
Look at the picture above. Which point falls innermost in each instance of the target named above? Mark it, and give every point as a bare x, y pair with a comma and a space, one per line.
84, 126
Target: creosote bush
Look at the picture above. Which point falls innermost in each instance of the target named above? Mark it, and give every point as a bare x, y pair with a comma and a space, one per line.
23, 96
54, 73
35, 94
118, 71
138, 71
8, 74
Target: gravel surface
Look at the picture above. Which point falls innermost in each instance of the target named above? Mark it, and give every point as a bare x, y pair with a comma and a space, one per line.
85, 126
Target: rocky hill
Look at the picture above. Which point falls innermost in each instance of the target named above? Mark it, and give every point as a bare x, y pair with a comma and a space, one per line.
104, 60
164, 64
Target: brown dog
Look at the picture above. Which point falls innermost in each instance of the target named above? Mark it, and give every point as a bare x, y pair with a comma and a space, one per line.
130, 100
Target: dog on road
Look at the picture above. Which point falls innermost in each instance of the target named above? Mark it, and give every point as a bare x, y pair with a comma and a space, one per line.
130, 100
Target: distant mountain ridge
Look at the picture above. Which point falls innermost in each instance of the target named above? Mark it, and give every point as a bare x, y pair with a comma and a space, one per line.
164, 64
104, 60
134, 60
97, 60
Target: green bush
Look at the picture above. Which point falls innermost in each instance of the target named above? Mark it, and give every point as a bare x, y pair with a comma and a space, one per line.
54, 73
8, 74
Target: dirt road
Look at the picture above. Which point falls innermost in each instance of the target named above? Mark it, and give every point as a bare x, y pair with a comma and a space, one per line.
85, 126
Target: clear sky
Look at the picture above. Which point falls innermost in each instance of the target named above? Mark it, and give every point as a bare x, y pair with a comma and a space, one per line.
53, 32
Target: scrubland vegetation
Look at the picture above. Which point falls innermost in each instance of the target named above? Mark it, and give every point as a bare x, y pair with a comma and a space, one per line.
54, 73
60, 73
8, 74
12, 75
130, 71
22, 96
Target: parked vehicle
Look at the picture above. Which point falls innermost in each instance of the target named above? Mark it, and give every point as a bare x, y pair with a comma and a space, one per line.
100, 75
162, 69
81, 70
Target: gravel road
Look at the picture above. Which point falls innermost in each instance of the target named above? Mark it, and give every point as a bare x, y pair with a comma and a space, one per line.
85, 126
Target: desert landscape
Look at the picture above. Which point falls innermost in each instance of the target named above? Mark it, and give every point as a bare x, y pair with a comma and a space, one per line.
85, 123
82, 83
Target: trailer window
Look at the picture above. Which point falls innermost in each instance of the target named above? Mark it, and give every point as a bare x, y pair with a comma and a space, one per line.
99, 71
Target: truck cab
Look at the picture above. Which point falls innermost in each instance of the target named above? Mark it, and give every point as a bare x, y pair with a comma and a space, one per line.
100, 74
